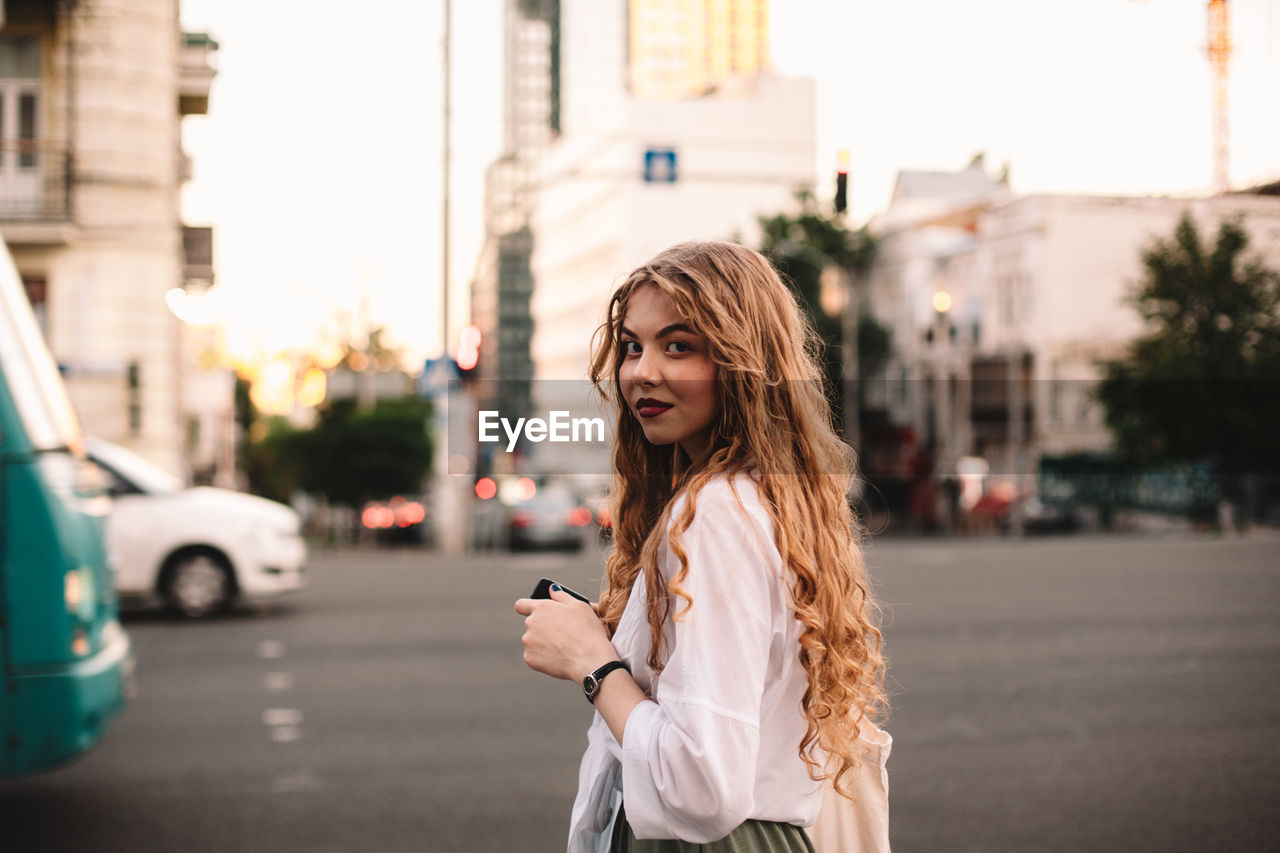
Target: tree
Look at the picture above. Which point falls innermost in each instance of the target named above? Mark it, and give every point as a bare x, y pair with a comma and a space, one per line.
1201, 384
351, 456
359, 455
802, 247
275, 459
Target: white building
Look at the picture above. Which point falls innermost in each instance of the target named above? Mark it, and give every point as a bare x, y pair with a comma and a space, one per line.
92, 98
683, 48
1042, 283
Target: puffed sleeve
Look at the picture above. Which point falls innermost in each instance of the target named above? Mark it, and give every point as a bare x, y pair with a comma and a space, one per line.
689, 758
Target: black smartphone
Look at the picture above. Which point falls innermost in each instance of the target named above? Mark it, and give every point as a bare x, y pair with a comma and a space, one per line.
543, 590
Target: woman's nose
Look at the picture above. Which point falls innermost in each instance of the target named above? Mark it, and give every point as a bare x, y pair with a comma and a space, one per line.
647, 371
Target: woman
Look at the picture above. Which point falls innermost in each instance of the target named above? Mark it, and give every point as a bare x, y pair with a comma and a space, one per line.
734, 658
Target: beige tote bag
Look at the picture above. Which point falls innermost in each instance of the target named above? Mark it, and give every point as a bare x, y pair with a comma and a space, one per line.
860, 825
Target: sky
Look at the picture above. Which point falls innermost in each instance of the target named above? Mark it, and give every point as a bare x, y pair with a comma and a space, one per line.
320, 161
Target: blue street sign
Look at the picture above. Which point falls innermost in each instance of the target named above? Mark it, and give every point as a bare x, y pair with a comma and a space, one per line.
660, 166
435, 377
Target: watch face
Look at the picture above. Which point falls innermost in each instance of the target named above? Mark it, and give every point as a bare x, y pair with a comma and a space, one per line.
590, 686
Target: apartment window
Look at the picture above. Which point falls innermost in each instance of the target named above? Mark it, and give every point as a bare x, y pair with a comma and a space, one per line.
37, 289
26, 130
133, 382
19, 58
19, 119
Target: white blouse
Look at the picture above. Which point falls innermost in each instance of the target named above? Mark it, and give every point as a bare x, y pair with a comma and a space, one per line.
717, 742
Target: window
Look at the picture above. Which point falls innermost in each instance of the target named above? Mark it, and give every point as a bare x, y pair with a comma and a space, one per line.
27, 130
20, 182
37, 289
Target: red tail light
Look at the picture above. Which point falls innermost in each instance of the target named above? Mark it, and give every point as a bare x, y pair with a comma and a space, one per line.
579, 516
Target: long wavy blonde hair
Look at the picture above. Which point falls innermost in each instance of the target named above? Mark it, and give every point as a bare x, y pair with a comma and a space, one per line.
774, 418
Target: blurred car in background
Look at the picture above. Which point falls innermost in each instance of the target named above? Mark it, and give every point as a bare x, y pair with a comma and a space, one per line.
199, 550
397, 521
599, 506
551, 518
1044, 515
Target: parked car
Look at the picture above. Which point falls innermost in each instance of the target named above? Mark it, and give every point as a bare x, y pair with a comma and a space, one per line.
1043, 515
199, 550
549, 519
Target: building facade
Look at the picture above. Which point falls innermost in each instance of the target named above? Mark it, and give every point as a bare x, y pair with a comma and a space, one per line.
1002, 308
682, 49
92, 95
502, 282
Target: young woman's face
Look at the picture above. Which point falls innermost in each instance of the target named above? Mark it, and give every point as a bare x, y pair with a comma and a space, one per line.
667, 376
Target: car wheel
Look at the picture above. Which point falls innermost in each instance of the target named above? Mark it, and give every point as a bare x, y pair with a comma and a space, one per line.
197, 584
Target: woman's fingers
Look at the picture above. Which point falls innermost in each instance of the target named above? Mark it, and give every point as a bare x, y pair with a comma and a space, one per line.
561, 634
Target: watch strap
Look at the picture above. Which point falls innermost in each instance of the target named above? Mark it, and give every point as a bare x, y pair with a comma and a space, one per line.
591, 684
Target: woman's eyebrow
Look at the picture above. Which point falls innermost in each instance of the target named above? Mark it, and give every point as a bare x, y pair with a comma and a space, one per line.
666, 330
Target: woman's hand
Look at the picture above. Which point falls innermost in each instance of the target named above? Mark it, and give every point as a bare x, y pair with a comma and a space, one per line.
563, 637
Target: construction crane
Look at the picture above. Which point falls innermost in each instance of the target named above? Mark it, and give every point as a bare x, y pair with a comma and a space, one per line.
1219, 55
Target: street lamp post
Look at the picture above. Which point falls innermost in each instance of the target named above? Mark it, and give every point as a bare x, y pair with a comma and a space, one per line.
849, 361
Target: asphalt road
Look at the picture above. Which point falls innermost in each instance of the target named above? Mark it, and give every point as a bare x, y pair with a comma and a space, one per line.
1068, 694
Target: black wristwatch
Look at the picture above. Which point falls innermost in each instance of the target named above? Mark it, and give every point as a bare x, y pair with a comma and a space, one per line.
591, 684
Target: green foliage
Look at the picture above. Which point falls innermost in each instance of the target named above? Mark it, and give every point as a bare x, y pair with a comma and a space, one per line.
351, 456
1202, 383
361, 456
275, 462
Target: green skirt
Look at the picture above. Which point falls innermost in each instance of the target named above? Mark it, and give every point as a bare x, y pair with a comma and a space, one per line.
754, 836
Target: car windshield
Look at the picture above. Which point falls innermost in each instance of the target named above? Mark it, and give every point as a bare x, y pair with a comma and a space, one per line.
140, 474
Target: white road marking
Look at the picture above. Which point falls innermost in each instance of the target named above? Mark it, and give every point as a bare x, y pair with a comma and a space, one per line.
301, 781
278, 681
285, 734
282, 717
270, 649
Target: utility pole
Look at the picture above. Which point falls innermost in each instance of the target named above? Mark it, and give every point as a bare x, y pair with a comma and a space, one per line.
452, 509
849, 367
1219, 56
444, 195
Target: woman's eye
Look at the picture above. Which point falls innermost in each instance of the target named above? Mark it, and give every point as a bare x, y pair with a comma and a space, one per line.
631, 347
679, 347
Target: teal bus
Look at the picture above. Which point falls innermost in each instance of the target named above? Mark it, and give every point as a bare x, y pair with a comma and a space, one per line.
66, 661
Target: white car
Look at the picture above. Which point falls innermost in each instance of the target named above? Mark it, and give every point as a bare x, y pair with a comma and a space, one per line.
197, 549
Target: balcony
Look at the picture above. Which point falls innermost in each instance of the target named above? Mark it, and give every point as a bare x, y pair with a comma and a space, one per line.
195, 73
197, 253
35, 191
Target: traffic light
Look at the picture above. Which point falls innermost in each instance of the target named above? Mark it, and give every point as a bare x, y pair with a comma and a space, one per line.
842, 181
468, 355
